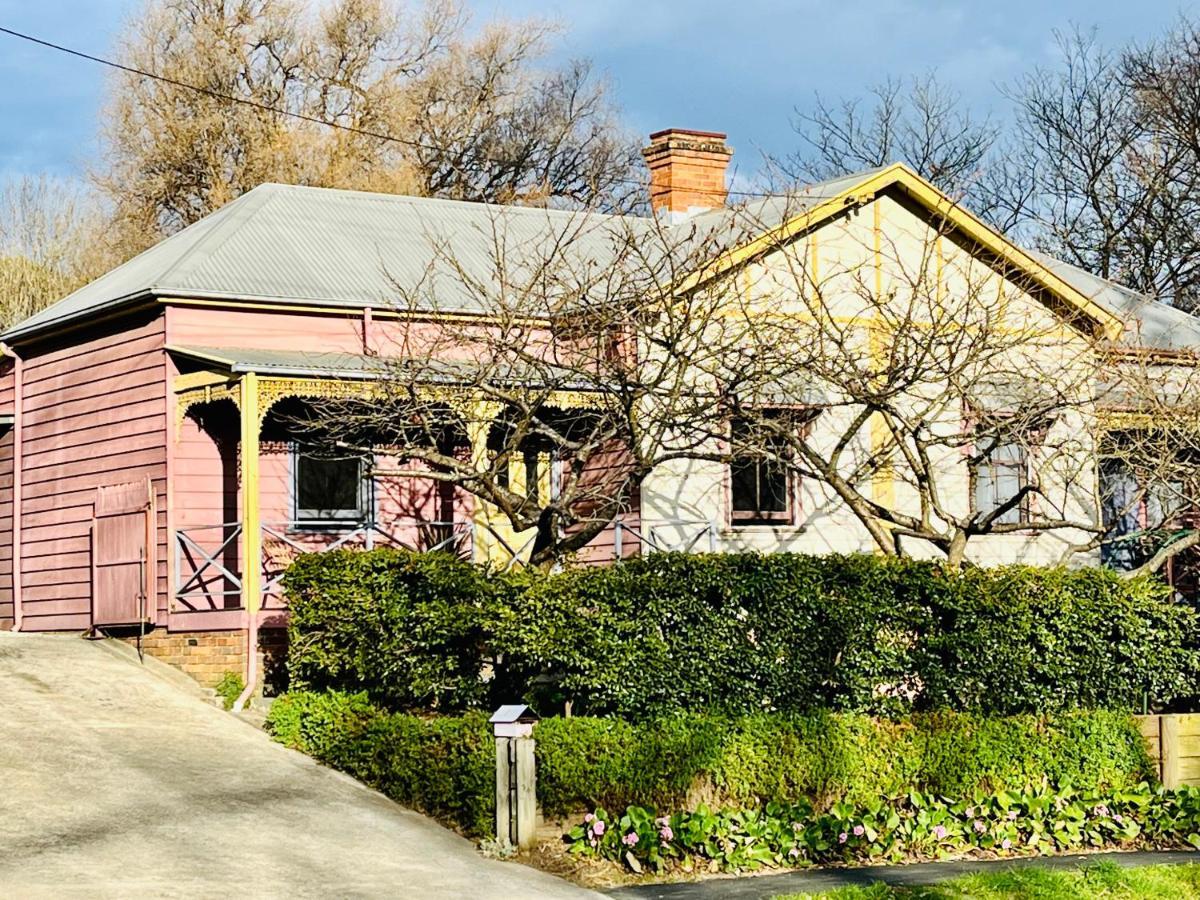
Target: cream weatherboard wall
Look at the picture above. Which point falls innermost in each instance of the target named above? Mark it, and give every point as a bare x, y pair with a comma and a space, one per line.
882, 249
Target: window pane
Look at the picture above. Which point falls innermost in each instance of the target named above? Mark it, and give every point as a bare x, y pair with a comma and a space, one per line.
773, 487
999, 478
328, 488
1008, 453
1008, 485
744, 478
759, 487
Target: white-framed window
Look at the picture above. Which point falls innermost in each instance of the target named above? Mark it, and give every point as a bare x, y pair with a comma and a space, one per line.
760, 484
327, 490
999, 476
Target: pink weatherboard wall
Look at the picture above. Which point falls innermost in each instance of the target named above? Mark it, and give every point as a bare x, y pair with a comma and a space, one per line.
98, 410
93, 414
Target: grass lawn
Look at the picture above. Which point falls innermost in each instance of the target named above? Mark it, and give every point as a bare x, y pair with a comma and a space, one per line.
1104, 879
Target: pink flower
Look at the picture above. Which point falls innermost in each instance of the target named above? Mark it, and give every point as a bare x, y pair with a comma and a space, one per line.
969, 811
794, 852
1119, 819
979, 826
662, 820
1005, 844
859, 831
588, 817
1012, 815
842, 838
598, 827
939, 832
630, 839
666, 834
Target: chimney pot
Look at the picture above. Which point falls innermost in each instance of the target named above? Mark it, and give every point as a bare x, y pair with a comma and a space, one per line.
687, 170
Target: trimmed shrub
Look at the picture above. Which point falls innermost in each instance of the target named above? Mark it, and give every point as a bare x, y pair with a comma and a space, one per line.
445, 766
409, 629
737, 634
1020, 638
825, 758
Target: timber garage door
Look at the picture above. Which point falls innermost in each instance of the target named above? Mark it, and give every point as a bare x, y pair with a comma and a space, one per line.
123, 567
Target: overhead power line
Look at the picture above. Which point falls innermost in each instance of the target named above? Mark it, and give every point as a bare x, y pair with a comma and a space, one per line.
275, 110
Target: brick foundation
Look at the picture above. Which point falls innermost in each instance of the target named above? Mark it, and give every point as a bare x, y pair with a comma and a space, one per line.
208, 655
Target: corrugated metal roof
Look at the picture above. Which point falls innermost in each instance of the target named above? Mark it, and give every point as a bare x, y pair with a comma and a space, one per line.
297, 363
356, 366
288, 243
1149, 324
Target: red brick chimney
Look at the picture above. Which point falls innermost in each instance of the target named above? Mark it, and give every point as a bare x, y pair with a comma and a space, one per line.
687, 170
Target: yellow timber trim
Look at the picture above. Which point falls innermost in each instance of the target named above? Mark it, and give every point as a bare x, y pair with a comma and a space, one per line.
962, 221
251, 508
195, 388
191, 380
883, 484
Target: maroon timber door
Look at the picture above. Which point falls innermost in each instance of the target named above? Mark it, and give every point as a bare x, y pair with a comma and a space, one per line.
123, 565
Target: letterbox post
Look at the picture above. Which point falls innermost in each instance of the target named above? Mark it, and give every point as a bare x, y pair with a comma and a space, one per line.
516, 778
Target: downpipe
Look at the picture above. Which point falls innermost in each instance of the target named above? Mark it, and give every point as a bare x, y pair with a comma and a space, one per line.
18, 464
243, 699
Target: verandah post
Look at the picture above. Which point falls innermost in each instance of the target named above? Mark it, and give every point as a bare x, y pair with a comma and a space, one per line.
251, 511
251, 532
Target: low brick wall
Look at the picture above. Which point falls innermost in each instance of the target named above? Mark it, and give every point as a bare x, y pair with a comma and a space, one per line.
204, 655
208, 655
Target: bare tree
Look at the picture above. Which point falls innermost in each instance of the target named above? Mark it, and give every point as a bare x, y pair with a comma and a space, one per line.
914, 380
470, 114
919, 121
1100, 166
574, 379
51, 242
1092, 179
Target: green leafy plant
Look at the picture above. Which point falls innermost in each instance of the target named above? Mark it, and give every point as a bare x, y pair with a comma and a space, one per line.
444, 766
229, 688
409, 629
916, 825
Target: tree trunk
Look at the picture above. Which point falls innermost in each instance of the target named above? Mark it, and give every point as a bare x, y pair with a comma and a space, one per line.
956, 550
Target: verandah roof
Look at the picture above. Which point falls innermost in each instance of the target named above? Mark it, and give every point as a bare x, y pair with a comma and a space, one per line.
366, 367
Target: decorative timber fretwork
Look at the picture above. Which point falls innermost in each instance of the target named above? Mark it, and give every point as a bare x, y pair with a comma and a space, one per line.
470, 404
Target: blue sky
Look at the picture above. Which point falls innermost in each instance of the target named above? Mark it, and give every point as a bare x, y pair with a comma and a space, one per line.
739, 66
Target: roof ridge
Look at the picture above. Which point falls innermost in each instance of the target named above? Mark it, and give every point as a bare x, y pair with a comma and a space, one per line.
239, 210
418, 200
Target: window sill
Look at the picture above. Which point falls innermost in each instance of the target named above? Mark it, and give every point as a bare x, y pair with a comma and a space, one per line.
763, 528
323, 527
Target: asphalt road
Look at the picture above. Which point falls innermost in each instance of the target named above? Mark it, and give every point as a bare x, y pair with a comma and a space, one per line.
805, 881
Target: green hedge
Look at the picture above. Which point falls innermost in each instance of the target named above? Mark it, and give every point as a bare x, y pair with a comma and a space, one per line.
410, 628
444, 765
736, 633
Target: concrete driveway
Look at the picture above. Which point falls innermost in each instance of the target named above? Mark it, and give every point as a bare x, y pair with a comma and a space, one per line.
117, 782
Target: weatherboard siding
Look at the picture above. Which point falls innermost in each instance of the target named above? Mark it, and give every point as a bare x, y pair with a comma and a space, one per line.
94, 414
264, 329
